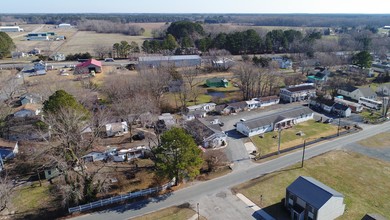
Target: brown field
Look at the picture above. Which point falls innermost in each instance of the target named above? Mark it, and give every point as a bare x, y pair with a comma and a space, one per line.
378, 141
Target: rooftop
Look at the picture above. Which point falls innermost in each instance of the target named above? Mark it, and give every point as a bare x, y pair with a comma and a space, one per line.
301, 87
312, 191
168, 58
90, 62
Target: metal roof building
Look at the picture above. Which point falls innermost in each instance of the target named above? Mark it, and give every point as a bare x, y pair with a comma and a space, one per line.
177, 61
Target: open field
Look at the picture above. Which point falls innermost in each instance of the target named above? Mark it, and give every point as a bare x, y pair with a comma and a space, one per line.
311, 129
378, 141
362, 180
183, 212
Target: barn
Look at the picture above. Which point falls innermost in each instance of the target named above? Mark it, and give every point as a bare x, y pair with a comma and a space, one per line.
89, 66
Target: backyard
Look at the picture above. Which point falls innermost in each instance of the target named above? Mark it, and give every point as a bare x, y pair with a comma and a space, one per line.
289, 138
361, 179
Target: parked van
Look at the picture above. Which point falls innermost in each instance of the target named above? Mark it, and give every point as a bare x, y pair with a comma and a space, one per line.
109, 60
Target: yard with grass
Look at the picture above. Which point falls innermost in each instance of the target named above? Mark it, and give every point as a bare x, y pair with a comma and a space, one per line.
371, 116
182, 212
378, 141
289, 138
361, 179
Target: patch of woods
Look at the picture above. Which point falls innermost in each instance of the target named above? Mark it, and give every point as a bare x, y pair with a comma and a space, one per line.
110, 27
6, 45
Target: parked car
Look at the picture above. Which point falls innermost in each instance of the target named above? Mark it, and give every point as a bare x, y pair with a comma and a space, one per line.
327, 121
139, 136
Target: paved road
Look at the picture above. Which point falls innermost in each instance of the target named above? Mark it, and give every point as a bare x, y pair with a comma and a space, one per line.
199, 191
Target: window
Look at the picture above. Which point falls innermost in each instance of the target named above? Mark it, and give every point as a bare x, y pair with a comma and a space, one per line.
49, 172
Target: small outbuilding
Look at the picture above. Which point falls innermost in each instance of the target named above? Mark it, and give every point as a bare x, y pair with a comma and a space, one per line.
217, 82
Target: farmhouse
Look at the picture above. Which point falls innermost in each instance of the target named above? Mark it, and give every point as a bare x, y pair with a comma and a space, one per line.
88, 66
208, 136
356, 93
177, 61
283, 63
307, 198
217, 82
279, 120
298, 92
11, 29
116, 129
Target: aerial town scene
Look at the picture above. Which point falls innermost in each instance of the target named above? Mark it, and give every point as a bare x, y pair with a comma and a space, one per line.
222, 109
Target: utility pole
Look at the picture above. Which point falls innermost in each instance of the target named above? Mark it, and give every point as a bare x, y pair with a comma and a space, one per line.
303, 153
198, 209
338, 128
279, 132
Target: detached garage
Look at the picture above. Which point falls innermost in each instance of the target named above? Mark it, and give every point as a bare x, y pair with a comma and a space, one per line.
89, 66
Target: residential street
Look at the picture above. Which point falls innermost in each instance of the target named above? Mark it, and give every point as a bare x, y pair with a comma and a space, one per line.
206, 192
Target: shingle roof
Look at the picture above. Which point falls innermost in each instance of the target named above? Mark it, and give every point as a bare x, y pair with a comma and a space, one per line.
312, 191
90, 62
349, 88
300, 88
216, 80
276, 117
367, 92
241, 104
339, 106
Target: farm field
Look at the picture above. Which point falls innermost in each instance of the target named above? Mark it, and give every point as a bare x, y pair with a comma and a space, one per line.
361, 179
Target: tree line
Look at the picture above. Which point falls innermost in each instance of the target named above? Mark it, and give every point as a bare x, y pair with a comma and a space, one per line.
6, 45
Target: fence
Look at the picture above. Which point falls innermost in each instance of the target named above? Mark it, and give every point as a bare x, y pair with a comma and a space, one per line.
120, 198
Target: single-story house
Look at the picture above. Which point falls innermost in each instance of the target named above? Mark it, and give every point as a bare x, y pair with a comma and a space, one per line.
307, 198
99, 154
355, 107
208, 107
269, 100
89, 66
254, 103
30, 98
275, 121
18, 54
52, 172
217, 82
284, 63
168, 119
207, 136
222, 63
194, 114
117, 129
355, 93
384, 89
58, 57
41, 65
64, 25
128, 154
298, 93
177, 61
342, 110
28, 110
8, 149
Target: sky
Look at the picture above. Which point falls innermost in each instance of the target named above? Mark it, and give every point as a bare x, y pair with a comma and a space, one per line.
196, 6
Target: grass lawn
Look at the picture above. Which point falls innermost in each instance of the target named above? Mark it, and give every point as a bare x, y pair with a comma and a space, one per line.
362, 180
311, 129
32, 199
171, 213
371, 117
380, 141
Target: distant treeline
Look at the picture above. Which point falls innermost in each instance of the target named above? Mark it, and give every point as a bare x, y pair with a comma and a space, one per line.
110, 27
307, 20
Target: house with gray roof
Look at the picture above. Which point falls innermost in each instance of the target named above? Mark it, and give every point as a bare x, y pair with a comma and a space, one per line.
208, 136
307, 198
356, 93
176, 61
280, 120
384, 89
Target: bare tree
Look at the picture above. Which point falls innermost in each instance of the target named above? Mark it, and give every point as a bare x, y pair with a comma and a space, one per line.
6, 189
154, 81
102, 51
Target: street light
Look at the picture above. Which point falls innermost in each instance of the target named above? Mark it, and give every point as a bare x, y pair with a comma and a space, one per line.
279, 132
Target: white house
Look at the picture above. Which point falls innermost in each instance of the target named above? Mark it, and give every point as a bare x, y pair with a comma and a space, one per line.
298, 92
208, 136
307, 198
275, 121
168, 119
58, 57
342, 110
132, 153
208, 107
284, 63
117, 129
384, 89
355, 93
28, 110
11, 29
269, 100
